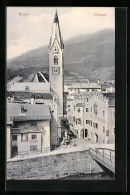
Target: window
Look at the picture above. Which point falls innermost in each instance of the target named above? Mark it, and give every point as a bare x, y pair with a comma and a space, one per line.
91, 123
55, 60
87, 121
107, 132
103, 129
91, 109
76, 131
96, 125
68, 109
103, 112
34, 136
24, 137
14, 137
33, 147
26, 88
95, 108
78, 109
78, 121
86, 109
74, 119
55, 50
87, 99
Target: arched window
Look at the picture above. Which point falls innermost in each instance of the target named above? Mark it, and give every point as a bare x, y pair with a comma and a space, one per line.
55, 60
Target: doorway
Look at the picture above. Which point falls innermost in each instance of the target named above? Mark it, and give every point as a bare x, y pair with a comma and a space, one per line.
14, 151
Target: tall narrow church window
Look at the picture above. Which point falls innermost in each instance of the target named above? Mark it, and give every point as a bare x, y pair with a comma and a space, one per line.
55, 60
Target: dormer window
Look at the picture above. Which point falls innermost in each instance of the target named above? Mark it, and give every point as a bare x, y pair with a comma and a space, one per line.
55, 60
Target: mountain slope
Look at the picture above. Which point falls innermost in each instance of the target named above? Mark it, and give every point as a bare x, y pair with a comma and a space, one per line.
89, 55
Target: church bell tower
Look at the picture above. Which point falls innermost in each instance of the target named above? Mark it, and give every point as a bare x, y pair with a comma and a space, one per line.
55, 51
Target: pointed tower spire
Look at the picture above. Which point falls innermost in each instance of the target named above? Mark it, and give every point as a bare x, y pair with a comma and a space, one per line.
56, 18
56, 34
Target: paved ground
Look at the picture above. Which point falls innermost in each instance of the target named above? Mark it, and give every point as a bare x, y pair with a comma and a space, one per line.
80, 145
74, 145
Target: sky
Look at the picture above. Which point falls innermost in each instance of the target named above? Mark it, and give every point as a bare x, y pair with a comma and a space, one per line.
30, 27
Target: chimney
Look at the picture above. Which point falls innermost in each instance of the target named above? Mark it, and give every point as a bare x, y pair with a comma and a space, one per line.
98, 81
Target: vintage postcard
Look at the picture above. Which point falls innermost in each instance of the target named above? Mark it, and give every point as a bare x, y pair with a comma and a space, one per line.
60, 94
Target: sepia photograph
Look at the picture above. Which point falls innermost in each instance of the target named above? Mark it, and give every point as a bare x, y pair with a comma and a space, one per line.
60, 93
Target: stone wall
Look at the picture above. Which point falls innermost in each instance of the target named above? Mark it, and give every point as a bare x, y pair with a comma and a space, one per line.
52, 167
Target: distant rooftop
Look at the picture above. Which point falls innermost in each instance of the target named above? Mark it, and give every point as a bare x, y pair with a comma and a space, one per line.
84, 85
16, 79
107, 85
31, 112
79, 105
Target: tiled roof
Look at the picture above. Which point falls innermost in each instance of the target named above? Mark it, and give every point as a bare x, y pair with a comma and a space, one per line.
40, 77
16, 79
31, 112
43, 96
56, 17
28, 95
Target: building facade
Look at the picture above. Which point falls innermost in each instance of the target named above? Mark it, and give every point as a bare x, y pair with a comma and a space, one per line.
39, 83
28, 129
92, 115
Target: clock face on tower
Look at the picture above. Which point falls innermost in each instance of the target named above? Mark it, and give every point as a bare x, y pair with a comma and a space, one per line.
56, 71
